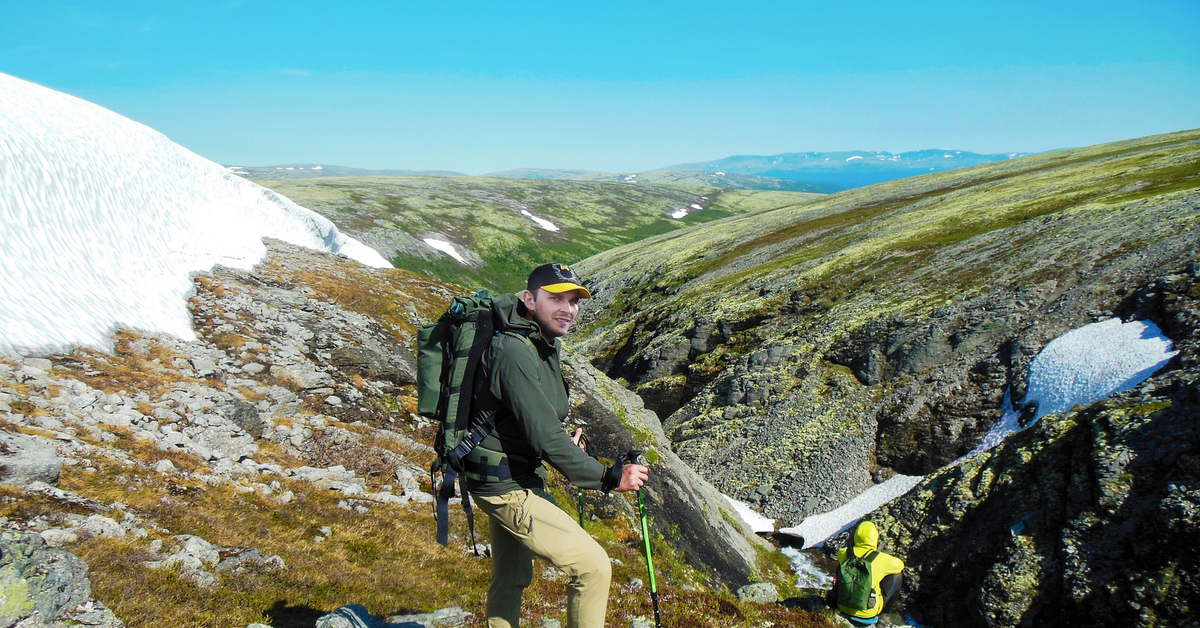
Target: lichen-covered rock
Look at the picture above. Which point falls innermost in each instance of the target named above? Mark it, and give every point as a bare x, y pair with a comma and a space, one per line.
1089, 518
45, 587
759, 593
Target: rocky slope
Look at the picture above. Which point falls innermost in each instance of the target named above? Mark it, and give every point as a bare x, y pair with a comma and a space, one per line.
276, 458
798, 354
1089, 518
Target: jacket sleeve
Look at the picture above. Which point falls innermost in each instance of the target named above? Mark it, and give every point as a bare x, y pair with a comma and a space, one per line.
887, 564
516, 382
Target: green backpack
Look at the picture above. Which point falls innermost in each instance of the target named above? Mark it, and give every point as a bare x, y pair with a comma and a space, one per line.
449, 353
854, 578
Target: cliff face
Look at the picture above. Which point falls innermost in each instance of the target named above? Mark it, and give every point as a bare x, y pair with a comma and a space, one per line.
1091, 517
796, 355
688, 511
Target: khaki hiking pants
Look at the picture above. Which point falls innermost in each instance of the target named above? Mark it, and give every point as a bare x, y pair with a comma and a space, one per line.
523, 526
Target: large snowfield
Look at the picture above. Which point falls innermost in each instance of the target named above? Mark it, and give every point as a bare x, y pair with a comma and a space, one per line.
104, 221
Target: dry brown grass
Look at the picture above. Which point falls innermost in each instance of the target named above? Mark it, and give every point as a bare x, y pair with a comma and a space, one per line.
385, 559
385, 295
124, 371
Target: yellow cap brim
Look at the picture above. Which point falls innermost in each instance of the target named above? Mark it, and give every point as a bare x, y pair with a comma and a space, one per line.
564, 287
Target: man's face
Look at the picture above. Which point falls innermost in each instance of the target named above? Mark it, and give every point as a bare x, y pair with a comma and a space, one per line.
553, 311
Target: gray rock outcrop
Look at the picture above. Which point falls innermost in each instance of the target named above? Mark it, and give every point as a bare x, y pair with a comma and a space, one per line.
45, 587
711, 535
25, 459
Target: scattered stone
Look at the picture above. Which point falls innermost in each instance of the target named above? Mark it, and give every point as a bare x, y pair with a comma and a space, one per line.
250, 559
99, 525
25, 459
451, 617
350, 616
759, 593
58, 537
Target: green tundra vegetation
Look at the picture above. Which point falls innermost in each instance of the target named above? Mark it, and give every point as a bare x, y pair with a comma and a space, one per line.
483, 218
883, 233
884, 321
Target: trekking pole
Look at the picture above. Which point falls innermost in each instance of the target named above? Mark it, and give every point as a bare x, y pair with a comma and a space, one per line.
632, 458
583, 444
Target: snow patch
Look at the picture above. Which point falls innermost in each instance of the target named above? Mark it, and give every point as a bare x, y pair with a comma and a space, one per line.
695, 206
679, 213
721, 173
853, 158
1082, 366
757, 522
318, 168
104, 221
541, 222
445, 247
815, 530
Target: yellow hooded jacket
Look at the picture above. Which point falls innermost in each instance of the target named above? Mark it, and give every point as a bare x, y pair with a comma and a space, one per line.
866, 540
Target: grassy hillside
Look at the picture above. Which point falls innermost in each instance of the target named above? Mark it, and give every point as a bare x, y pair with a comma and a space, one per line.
490, 222
799, 352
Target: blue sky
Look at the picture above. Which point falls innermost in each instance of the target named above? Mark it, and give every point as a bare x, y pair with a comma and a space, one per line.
481, 87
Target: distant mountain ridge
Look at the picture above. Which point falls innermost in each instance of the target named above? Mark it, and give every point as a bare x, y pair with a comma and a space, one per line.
847, 169
669, 176
793, 172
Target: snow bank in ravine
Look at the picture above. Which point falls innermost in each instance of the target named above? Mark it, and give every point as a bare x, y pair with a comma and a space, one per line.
817, 528
104, 220
1082, 366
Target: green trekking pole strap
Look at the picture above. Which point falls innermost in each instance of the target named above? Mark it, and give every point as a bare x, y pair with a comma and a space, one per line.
632, 458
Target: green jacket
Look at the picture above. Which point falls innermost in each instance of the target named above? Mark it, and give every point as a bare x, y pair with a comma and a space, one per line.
523, 384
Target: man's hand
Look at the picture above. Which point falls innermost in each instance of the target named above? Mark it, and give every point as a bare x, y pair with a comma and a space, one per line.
633, 476
577, 438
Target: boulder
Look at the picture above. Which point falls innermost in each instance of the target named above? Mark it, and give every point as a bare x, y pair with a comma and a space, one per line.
25, 459
759, 593
44, 587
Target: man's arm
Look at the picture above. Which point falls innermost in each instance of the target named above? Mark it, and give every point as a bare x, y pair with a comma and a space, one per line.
515, 378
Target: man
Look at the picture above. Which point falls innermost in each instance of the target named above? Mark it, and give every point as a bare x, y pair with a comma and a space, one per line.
523, 386
885, 574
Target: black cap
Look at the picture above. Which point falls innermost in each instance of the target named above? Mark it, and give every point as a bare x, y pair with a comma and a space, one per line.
556, 278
